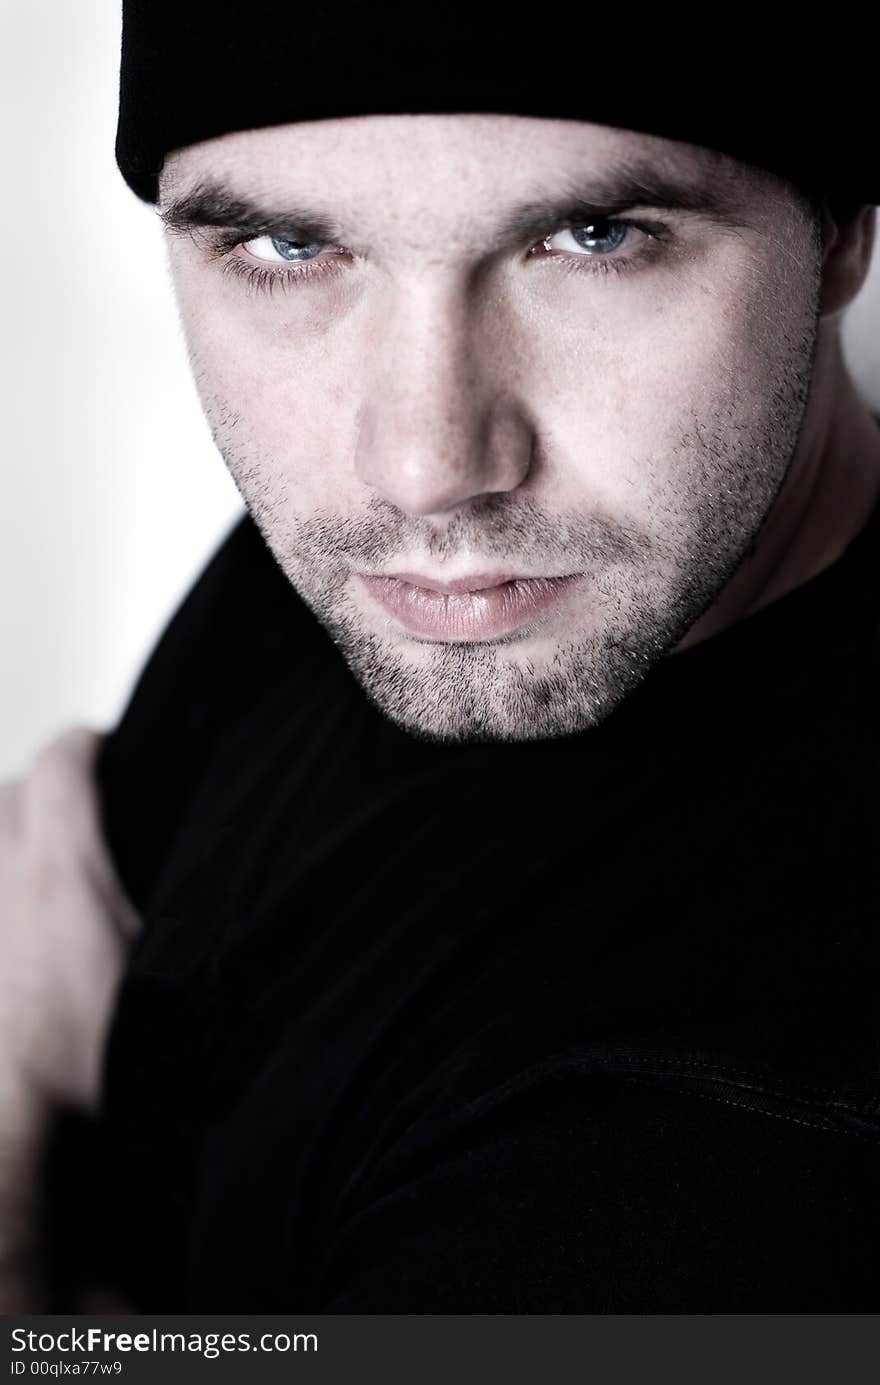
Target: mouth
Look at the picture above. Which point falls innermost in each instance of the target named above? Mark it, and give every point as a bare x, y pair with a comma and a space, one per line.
477, 581
482, 606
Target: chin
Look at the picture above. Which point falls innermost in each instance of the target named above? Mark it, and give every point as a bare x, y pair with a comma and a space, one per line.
499, 702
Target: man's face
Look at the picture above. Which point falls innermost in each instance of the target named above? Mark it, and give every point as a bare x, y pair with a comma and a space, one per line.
477, 349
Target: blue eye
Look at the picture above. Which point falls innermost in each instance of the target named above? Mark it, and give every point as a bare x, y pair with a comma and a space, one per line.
599, 237
276, 250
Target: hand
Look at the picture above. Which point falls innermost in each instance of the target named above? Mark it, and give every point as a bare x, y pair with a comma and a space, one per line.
65, 927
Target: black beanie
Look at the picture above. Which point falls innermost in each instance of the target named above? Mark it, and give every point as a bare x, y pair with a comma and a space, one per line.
195, 69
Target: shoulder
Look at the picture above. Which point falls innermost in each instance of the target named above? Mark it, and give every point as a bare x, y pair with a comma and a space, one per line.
230, 637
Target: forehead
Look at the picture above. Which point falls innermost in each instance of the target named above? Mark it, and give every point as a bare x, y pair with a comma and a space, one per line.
394, 167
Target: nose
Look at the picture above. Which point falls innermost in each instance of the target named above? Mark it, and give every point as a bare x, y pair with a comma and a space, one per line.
439, 424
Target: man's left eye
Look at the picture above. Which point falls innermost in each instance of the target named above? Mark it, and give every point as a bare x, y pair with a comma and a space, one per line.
277, 250
599, 237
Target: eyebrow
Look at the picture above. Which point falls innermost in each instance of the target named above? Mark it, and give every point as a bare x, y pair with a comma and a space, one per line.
635, 184
212, 204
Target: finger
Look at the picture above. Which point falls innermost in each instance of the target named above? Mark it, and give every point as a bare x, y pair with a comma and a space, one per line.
62, 823
59, 800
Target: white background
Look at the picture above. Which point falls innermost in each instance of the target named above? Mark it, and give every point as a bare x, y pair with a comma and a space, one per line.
111, 491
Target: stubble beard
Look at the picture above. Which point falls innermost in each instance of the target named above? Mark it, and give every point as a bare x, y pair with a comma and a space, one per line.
643, 596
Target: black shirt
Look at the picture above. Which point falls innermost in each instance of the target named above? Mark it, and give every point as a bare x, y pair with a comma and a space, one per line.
583, 1025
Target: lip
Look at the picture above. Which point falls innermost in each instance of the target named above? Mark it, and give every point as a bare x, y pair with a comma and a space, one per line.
466, 612
477, 581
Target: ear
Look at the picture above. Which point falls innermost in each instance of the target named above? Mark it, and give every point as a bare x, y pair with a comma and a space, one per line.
848, 239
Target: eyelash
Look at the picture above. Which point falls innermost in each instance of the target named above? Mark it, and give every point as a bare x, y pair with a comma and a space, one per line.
265, 279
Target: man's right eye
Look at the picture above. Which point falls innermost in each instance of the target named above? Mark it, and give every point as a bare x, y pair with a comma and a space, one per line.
277, 250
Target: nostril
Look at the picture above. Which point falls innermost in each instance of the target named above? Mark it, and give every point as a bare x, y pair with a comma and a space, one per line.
426, 459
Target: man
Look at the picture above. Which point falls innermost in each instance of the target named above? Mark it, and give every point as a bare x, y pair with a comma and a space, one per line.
499, 804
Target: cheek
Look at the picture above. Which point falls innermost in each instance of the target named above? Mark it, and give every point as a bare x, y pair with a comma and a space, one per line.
626, 382
633, 398
281, 404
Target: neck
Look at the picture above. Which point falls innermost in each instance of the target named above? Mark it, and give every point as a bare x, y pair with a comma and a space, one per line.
828, 496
